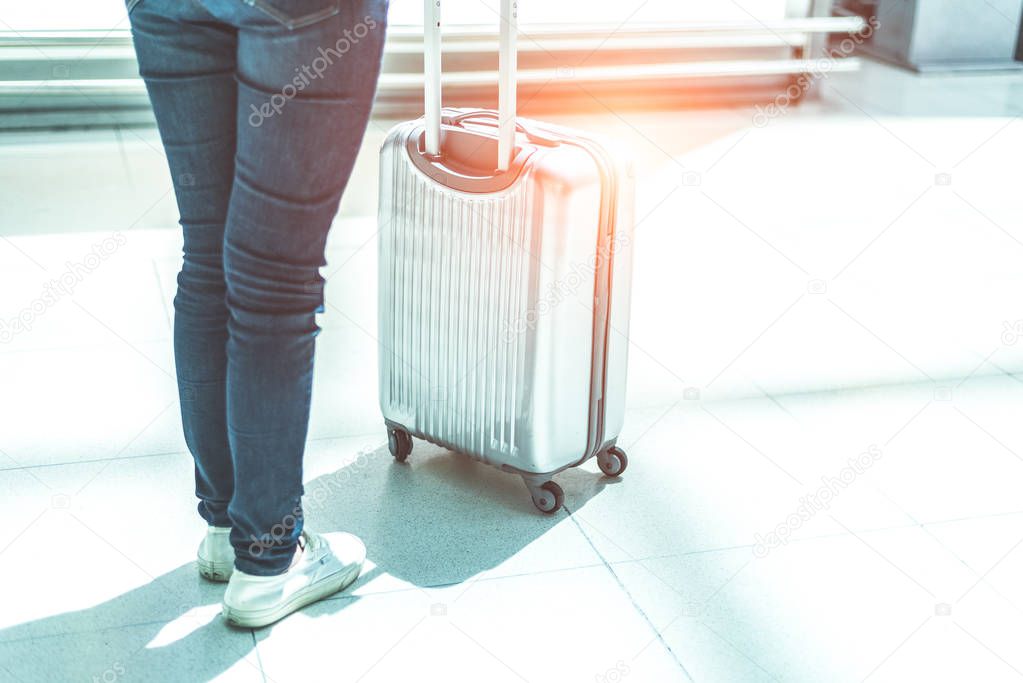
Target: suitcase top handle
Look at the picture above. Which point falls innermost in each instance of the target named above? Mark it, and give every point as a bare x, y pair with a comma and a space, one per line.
505, 85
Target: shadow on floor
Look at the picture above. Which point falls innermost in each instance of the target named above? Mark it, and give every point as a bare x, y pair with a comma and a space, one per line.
439, 519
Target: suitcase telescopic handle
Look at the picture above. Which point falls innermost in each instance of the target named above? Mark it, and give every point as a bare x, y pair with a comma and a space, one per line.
505, 86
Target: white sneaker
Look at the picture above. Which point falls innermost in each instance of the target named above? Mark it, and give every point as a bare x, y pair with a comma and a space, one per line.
328, 563
215, 557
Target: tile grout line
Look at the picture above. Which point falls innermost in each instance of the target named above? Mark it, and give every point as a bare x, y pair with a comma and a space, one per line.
452, 584
126, 165
162, 454
259, 659
64, 634
163, 299
88, 346
982, 376
635, 605
616, 563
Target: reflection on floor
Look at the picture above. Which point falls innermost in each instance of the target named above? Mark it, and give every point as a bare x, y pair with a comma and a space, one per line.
778, 521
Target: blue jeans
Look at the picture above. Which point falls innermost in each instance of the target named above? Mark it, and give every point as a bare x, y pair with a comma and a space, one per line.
261, 107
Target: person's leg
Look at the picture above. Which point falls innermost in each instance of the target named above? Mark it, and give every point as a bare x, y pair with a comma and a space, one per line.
187, 59
304, 97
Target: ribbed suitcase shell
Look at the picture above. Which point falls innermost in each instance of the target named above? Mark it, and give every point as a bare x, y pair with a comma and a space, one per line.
487, 304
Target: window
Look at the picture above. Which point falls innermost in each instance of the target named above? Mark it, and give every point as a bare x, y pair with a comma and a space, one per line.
66, 15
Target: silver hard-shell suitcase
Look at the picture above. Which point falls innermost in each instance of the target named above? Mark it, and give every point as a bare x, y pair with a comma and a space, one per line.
503, 293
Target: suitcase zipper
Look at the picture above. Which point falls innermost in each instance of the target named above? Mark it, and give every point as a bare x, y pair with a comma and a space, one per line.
602, 325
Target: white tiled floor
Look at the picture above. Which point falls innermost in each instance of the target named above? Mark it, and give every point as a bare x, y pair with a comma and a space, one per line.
805, 291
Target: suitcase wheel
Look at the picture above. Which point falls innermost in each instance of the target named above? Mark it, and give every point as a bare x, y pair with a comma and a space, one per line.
400, 443
548, 498
612, 462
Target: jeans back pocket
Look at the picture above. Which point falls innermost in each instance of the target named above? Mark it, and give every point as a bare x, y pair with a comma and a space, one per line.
297, 13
